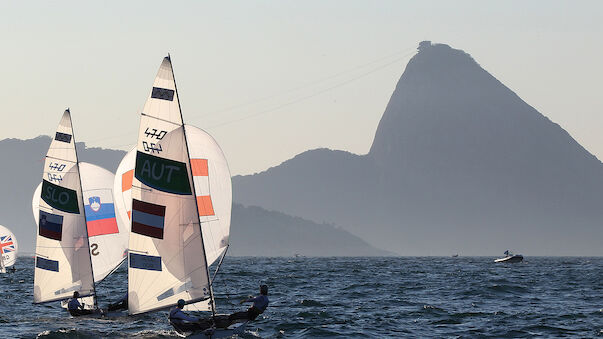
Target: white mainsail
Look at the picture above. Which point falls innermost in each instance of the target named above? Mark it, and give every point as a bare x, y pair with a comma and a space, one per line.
166, 254
8, 248
62, 261
213, 189
108, 236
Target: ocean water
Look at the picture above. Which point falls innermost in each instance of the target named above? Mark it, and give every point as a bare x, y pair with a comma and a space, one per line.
468, 297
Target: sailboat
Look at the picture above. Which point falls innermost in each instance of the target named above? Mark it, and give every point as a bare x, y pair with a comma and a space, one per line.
62, 259
8, 249
181, 199
108, 236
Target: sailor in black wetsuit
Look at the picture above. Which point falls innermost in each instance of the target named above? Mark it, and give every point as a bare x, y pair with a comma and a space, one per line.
75, 308
260, 303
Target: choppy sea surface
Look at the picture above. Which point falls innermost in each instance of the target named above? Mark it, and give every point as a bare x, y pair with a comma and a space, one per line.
355, 297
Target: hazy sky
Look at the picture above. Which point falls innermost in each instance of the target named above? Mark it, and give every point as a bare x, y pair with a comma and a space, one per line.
271, 79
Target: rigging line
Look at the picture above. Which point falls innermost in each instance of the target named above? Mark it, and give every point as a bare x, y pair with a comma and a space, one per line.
294, 89
292, 102
307, 84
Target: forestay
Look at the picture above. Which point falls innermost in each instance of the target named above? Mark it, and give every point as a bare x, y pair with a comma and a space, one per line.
8, 248
166, 255
62, 259
108, 235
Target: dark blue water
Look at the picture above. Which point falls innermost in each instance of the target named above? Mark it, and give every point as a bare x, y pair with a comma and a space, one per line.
356, 297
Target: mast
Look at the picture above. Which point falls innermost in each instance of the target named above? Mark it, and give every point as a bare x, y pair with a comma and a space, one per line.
79, 176
188, 156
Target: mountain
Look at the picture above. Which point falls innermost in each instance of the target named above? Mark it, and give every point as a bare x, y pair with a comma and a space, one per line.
459, 164
258, 232
254, 231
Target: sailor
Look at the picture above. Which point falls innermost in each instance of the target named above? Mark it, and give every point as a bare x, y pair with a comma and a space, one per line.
74, 306
260, 303
178, 317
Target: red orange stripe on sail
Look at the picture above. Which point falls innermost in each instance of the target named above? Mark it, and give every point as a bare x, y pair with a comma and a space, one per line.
199, 167
205, 206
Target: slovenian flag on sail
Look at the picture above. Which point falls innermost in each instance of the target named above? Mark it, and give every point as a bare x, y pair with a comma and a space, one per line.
100, 213
148, 219
51, 225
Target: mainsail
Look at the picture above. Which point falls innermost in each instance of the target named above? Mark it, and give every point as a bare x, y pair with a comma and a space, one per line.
213, 189
8, 248
108, 235
62, 261
166, 254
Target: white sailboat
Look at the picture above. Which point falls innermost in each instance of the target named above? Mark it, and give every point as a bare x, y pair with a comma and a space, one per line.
62, 259
8, 249
181, 203
108, 235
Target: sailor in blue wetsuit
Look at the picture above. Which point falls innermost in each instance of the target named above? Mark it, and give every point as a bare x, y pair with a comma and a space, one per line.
260, 303
74, 306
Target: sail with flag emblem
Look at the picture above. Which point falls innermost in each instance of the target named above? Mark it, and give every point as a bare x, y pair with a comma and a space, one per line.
8, 249
213, 189
166, 253
62, 258
108, 236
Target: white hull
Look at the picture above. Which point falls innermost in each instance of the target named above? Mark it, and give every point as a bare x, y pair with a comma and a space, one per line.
510, 259
87, 301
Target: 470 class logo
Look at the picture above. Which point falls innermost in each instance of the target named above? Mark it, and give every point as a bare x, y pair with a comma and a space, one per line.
55, 166
154, 133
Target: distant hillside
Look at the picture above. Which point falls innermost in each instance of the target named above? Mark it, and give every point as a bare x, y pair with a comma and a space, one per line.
258, 232
254, 231
459, 164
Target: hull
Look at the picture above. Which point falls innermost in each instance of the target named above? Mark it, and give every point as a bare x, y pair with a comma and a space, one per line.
219, 333
213, 332
510, 259
88, 303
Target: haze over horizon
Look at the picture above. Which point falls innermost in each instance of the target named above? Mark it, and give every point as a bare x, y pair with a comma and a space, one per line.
270, 80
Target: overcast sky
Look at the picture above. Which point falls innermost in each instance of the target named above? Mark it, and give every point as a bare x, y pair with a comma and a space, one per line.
271, 79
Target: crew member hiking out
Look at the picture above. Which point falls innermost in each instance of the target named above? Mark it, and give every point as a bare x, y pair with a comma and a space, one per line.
260, 303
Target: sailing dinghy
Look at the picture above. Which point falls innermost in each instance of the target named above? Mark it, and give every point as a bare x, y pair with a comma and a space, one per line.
8, 249
108, 236
62, 259
181, 200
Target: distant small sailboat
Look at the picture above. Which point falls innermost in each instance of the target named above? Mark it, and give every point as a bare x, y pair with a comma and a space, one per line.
62, 258
455, 255
8, 249
510, 257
